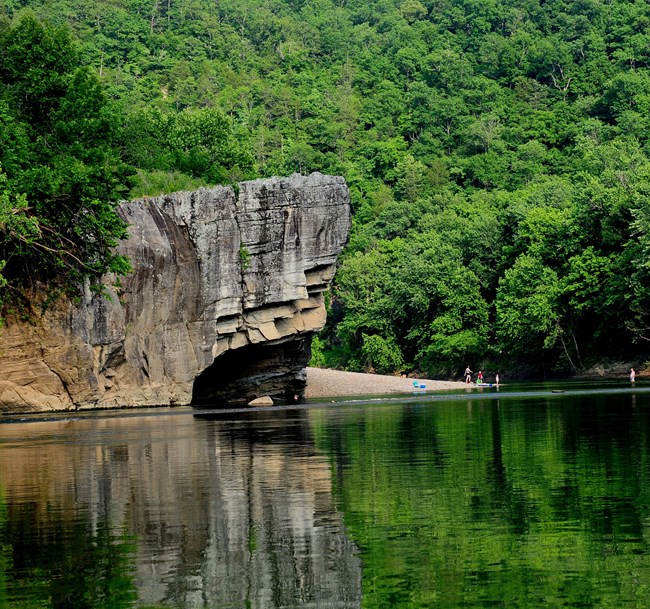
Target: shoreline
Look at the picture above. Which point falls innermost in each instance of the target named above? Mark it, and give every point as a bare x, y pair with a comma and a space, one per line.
328, 383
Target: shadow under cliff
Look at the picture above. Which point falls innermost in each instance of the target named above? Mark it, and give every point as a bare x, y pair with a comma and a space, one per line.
238, 376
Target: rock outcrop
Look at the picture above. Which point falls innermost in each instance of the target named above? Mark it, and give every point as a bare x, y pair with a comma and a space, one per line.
220, 309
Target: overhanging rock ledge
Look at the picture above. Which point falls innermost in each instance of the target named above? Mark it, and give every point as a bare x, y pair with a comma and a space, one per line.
225, 296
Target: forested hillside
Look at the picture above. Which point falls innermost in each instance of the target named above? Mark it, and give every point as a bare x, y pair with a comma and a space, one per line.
497, 152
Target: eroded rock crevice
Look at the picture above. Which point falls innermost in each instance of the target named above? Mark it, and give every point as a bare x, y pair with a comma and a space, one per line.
274, 369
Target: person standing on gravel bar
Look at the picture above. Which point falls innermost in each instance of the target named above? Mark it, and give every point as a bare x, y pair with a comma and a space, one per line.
632, 375
468, 375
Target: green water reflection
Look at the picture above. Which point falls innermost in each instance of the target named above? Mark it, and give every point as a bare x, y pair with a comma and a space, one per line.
61, 564
540, 502
518, 501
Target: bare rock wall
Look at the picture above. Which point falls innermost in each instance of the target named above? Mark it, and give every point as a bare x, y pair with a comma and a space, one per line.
214, 273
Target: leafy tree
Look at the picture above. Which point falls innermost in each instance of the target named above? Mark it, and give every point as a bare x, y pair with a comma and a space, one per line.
63, 172
198, 143
528, 310
19, 231
380, 354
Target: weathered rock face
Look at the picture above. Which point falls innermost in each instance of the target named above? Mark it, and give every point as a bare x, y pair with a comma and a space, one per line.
224, 298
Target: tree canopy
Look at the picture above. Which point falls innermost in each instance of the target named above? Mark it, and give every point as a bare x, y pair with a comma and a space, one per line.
497, 154
60, 171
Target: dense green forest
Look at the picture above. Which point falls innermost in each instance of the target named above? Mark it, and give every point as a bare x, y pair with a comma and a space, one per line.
497, 152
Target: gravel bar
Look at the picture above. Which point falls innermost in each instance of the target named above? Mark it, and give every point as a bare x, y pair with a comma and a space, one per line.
323, 383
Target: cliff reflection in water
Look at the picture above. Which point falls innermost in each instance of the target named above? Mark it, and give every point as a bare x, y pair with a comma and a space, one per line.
176, 510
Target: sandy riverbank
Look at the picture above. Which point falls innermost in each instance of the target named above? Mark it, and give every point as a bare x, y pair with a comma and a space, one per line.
322, 383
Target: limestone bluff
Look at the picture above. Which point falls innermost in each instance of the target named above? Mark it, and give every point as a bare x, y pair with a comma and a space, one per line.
225, 296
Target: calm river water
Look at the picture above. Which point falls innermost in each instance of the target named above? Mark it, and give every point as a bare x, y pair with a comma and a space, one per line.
519, 498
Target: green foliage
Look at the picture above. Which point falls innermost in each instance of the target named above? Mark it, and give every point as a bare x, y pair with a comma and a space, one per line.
527, 306
18, 230
154, 182
317, 356
481, 142
414, 300
380, 354
63, 174
197, 143
244, 257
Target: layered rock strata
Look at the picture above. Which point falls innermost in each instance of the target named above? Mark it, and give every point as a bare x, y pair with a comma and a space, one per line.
225, 295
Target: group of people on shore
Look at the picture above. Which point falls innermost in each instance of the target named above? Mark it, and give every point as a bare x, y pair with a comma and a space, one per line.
479, 377
480, 381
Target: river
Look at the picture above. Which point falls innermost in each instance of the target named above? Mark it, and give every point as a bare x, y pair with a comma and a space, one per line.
529, 496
